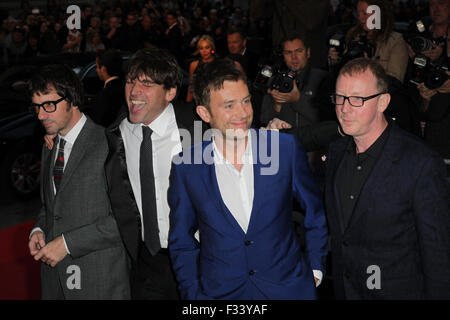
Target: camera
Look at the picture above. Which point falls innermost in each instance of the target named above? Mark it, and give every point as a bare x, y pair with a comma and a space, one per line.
281, 79
422, 40
432, 75
355, 48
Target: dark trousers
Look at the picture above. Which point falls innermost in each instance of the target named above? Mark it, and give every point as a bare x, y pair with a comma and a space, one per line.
152, 277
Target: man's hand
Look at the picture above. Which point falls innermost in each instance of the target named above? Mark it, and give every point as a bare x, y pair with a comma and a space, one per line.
425, 92
445, 88
48, 139
281, 97
277, 124
53, 252
434, 53
36, 242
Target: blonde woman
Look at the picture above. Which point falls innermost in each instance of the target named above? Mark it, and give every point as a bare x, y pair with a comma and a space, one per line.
206, 49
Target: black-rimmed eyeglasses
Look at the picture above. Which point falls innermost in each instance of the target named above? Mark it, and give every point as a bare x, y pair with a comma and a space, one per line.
354, 101
48, 106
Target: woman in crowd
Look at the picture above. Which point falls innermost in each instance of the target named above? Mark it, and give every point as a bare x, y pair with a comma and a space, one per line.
390, 48
206, 48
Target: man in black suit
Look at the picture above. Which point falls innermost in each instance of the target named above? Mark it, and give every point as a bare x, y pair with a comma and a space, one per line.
237, 48
142, 143
112, 96
387, 198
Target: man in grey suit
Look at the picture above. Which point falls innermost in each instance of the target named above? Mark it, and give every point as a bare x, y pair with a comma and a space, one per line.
75, 235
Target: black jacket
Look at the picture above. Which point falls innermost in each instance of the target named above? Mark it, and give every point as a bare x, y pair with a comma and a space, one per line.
120, 192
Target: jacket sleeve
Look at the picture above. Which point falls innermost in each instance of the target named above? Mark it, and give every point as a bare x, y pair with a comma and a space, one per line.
432, 215
307, 194
183, 247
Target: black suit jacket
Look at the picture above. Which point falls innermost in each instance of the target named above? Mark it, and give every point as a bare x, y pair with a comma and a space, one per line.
123, 203
401, 224
108, 103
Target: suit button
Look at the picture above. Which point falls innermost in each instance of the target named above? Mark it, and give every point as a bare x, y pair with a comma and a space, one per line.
251, 272
347, 275
345, 243
248, 242
56, 217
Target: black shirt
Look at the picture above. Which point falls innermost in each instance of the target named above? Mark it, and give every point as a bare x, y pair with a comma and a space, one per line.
355, 170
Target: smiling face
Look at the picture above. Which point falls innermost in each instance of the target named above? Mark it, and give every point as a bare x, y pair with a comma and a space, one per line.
230, 109
205, 49
62, 119
361, 122
146, 99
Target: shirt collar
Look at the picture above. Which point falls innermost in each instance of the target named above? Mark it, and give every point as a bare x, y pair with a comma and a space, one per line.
246, 157
72, 135
110, 79
375, 149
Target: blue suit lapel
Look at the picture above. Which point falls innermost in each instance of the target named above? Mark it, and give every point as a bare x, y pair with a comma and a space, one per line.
209, 178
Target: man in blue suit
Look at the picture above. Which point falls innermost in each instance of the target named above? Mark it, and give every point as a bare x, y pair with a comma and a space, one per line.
236, 190
387, 199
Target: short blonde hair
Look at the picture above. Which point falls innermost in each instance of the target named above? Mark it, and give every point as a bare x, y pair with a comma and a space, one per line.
208, 38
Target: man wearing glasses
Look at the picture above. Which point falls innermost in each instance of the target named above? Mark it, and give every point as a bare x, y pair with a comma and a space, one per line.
75, 236
387, 199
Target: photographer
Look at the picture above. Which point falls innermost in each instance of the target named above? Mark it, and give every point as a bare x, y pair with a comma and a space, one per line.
435, 114
297, 110
389, 48
437, 31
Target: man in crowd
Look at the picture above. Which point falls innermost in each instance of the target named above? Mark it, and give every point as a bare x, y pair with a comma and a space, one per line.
112, 97
75, 234
142, 143
247, 248
387, 198
298, 109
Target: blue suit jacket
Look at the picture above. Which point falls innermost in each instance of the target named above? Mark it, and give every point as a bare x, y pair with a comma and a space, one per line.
264, 263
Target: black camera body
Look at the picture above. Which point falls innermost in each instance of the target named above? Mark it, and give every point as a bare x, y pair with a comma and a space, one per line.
421, 40
355, 48
433, 75
281, 79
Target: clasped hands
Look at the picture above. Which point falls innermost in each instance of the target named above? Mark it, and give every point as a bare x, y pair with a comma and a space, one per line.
51, 253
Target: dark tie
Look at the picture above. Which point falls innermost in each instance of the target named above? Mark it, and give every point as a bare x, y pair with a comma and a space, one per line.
149, 214
58, 169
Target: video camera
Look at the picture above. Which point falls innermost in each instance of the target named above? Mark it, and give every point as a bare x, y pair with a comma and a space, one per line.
276, 77
422, 40
433, 75
355, 48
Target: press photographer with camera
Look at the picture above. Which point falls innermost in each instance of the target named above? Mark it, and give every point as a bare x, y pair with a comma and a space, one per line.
436, 34
290, 103
385, 45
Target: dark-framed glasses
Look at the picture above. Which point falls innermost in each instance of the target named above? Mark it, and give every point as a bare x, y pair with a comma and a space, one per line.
48, 106
354, 101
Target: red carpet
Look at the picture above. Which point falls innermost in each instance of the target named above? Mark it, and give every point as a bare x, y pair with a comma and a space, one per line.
19, 273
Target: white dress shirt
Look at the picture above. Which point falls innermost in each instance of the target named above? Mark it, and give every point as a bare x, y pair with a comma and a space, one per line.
237, 188
70, 138
166, 143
